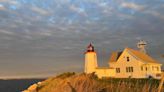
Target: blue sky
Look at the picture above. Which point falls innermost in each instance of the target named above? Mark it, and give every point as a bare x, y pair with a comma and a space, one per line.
41, 38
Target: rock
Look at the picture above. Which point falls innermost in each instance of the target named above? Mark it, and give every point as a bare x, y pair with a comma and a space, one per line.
33, 88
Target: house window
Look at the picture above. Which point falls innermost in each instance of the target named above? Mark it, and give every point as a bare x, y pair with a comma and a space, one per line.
127, 58
141, 68
153, 68
129, 69
117, 70
146, 68
157, 68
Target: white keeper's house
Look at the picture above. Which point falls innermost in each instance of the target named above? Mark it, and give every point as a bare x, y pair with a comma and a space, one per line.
128, 63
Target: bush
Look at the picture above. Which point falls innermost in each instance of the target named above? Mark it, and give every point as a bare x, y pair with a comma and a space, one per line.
65, 75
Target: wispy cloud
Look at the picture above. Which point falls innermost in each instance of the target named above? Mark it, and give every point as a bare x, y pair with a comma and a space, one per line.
6, 32
40, 10
78, 10
155, 13
134, 6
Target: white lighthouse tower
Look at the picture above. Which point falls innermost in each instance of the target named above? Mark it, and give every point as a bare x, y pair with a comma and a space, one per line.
90, 60
141, 45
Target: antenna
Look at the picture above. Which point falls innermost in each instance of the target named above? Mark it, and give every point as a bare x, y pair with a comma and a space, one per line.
141, 45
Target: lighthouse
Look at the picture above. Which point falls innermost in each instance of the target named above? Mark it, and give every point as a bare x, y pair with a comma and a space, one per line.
90, 59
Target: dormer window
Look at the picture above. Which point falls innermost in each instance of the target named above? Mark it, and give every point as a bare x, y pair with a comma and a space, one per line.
127, 58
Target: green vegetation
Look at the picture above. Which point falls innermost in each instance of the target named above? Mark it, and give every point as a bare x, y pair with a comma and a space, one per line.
71, 82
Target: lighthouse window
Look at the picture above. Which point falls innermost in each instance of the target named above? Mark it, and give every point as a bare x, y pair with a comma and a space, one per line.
128, 59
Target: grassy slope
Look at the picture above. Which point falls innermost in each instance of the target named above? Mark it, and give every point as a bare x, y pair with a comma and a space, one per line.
70, 82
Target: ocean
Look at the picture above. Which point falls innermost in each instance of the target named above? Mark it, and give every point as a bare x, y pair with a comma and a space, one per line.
16, 85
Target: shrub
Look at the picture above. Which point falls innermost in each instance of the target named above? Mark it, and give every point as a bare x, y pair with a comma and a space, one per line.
65, 75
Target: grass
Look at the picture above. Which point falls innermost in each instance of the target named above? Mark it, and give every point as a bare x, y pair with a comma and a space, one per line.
71, 82
130, 85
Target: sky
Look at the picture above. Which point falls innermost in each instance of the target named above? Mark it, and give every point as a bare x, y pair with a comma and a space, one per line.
40, 38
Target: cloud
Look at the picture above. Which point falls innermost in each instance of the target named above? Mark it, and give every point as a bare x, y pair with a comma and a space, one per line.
132, 6
28, 36
2, 7
7, 32
78, 10
9, 1
4, 0
45, 33
125, 16
154, 13
40, 10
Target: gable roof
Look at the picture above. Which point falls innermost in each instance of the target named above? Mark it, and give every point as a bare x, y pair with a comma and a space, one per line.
142, 56
114, 56
104, 68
